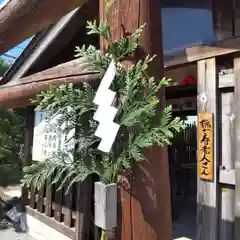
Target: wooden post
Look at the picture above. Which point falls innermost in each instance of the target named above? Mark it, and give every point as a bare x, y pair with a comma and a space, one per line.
227, 169
83, 209
40, 200
207, 217
58, 205
227, 162
145, 202
28, 142
69, 205
49, 199
237, 148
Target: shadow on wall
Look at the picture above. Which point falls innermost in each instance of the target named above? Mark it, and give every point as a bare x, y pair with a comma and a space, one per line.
145, 195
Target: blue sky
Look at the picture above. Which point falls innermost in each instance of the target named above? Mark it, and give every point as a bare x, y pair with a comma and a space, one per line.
16, 51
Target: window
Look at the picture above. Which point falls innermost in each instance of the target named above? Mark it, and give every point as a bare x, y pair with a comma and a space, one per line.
186, 23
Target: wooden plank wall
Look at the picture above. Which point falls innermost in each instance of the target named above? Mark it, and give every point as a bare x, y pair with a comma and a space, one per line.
227, 192
236, 150
207, 216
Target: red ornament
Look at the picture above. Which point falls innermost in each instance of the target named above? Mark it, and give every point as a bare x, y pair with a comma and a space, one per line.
188, 80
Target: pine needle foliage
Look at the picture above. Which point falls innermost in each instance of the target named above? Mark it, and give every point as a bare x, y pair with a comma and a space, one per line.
137, 102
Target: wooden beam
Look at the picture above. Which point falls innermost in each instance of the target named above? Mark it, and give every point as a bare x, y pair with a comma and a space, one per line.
145, 196
20, 19
194, 54
18, 93
61, 74
74, 68
207, 195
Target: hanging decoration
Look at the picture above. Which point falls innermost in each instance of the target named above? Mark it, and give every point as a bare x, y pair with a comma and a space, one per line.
188, 80
105, 114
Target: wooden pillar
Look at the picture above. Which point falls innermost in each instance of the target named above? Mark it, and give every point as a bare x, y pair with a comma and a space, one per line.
83, 210
236, 150
145, 198
207, 196
227, 192
28, 143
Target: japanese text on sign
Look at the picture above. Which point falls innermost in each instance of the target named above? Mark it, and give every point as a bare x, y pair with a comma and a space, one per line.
205, 146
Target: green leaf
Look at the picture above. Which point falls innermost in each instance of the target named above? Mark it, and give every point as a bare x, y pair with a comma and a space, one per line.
164, 82
142, 123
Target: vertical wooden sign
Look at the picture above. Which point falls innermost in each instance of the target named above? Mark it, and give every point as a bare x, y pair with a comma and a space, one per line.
205, 146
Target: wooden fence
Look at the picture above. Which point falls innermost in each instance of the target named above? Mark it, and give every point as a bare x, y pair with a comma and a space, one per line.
184, 145
70, 214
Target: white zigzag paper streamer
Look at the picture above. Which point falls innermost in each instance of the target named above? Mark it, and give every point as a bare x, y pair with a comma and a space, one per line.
105, 114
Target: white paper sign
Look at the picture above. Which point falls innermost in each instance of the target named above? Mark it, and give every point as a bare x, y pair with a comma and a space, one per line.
47, 139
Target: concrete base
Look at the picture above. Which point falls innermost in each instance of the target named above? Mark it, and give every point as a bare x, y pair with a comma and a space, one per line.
40, 231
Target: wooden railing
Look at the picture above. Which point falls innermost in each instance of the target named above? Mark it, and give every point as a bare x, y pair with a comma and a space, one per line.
70, 213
